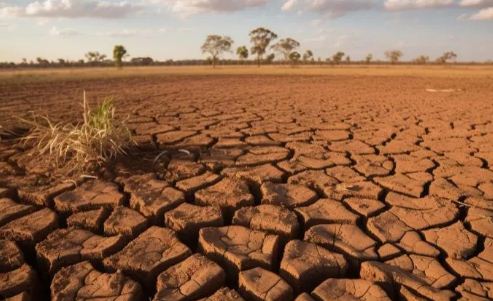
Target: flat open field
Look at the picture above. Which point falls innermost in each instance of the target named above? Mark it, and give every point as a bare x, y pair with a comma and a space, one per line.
374, 183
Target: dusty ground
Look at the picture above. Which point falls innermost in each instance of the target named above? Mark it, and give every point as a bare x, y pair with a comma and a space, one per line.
271, 187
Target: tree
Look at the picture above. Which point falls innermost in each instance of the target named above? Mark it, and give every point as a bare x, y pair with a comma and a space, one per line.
42, 61
242, 52
215, 45
348, 59
270, 58
285, 47
307, 56
260, 39
422, 59
337, 57
294, 57
447, 56
369, 58
393, 55
95, 57
119, 52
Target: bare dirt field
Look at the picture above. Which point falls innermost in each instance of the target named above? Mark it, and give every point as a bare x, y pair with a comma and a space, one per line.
257, 184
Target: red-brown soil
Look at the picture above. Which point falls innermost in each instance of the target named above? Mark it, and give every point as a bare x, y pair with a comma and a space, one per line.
267, 187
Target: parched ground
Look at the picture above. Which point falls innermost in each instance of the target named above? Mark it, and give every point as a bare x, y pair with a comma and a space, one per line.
265, 187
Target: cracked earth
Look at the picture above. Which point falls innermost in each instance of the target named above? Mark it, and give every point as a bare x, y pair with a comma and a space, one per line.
266, 188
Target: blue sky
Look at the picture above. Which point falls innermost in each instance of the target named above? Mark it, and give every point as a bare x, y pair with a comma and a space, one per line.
175, 29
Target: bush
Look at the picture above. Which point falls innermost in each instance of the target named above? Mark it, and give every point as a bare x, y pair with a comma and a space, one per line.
96, 141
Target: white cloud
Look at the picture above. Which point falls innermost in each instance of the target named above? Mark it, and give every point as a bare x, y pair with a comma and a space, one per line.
64, 32
476, 3
484, 14
416, 4
71, 9
332, 8
190, 7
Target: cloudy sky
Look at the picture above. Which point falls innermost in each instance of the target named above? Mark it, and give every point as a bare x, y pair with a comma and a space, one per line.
175, 29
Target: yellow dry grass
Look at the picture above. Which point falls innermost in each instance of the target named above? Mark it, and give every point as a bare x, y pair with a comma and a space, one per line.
80, 147
352, 70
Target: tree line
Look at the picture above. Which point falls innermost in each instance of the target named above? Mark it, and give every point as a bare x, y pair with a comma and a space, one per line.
261, 38
264, 48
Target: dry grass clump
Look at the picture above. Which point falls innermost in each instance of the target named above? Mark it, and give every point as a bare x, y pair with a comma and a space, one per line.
96, 141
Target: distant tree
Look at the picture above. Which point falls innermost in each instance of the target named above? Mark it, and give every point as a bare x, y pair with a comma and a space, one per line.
393, 55
285, 47
294, 57
446, 57
369, 58
422, 59
348, 59
270, 58
119, 52
142, 60
242, 52
95, 57
308, 56
337, 57
261, 39
61, 61
42, 61
215, 45
24, 61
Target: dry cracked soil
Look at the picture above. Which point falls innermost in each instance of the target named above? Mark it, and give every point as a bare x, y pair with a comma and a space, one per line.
265, 188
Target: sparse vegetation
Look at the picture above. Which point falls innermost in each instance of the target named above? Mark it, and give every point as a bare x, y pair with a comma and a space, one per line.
337, 57
100, 138
95, 57
393, 55
422, 59
369, 58
215, 46
261, 39
446, 57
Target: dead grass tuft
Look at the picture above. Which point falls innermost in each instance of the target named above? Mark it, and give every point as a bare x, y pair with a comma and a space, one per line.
96, 141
